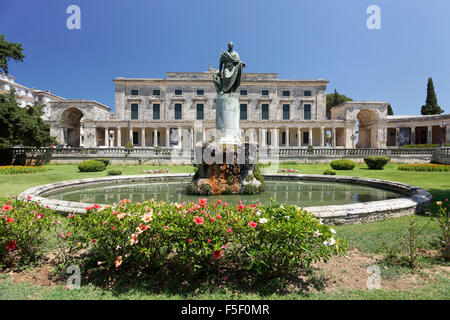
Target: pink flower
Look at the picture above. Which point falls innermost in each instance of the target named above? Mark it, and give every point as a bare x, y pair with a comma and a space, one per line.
94, 240
199, 220
70, 216
57, 222
212, 219
29, 198
39, 216
229, 230
9, 220
118, 261
11, 245
134, 239
7, 208
252, 224
209, 240
96, 206
202, 202
166, 227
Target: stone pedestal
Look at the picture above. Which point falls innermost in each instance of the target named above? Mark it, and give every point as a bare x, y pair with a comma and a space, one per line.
227, 119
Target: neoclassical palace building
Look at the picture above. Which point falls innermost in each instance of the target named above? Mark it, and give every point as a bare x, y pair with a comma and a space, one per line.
179, 110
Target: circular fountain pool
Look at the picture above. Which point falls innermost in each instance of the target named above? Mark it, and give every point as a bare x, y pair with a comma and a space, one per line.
336, 199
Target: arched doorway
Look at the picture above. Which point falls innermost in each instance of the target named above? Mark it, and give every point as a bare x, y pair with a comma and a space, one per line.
366, 128
70, 120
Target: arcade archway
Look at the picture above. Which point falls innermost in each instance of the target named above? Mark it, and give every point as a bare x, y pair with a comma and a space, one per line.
71, 122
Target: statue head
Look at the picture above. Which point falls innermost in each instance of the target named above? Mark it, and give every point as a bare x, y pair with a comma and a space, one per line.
230, 45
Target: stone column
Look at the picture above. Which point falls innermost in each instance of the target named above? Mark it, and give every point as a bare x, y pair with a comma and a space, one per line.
167, 137
322, 136
310, 139
179, 137
413, 135
155, 137
107, 137
131, 135
430, 135
287, 137
264, 137
143, 137
119, 137
397, 137
299, 137
334, 138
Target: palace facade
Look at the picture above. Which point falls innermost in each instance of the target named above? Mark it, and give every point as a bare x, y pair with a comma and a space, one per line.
178, 111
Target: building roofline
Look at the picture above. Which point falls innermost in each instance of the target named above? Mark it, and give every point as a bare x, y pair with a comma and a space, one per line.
79, 101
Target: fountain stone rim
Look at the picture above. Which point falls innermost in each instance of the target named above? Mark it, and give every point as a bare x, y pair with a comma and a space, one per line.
414, 199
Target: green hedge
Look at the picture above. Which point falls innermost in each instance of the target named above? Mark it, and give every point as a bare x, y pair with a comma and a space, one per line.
91, 166
105, 161
423, 146
329, 172
114, 172
425, 167
376, 162
342, 164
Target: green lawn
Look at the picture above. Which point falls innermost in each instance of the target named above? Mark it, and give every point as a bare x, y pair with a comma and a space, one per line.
364, 237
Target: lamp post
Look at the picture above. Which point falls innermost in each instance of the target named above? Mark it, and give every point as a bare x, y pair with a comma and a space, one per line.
442, 133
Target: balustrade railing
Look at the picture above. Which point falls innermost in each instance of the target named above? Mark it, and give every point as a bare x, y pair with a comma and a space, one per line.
164, 153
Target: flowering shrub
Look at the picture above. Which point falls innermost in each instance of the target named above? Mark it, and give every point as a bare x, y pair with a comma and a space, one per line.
427, 167
21, 169
441, 211
22, 224
201, 236
288, 170
156, 171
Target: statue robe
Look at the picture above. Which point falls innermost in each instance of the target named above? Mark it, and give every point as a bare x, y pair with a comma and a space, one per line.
232, 71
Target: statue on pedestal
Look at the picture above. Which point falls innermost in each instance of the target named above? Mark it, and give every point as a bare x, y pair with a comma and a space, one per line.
230, 79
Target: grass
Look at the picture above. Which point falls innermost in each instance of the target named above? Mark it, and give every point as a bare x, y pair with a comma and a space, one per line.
364, 237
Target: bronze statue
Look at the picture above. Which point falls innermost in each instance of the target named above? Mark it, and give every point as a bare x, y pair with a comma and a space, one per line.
229, 77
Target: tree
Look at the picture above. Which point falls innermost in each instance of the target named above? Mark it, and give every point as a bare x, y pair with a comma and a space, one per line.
334, 99
390, 112
8, 51
431, 106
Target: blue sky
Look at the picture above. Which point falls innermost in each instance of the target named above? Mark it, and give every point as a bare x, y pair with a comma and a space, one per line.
297, 39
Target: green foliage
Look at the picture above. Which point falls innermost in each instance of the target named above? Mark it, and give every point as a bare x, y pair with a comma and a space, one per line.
8, 51
390, 112
21, 126
230, 179
431, 105
422, 146
91, 166
205, 189
22, 228
441, 212
342, 164
334, 99
114, 172
228, 190
106, 161
329, 172
376, 162
129, 145
21, 169
425, 167
191, 188
199, 237
250, 189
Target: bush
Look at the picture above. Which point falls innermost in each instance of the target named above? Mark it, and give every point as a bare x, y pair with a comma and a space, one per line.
105, 161
114, 172
329, 172
376, 162
91, 166
198, 236
129, 145
426, 167
250, 189
22, 227
21, 169
422, 146
342, 164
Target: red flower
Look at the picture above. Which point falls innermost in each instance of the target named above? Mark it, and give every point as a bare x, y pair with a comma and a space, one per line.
217, 254
7, 208
212, 219
89, 208
229, 230
240, 206
252, 224
94, 240
39, 216
9, 220
209, 240
218, 216
199, 220
115, 213
29, 198
202, 202
11, 245
96, 206
190, 240
219, 201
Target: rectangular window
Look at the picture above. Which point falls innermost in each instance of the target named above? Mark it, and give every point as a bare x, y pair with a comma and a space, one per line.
156, 92
283, 138
307, 93
286, 111
307, 112
199, 111
134, 92
265, 92
243, 92
200, 92
178, 92
177, 111
134, 111
243, 111
265, 111
156, 111
286, 93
